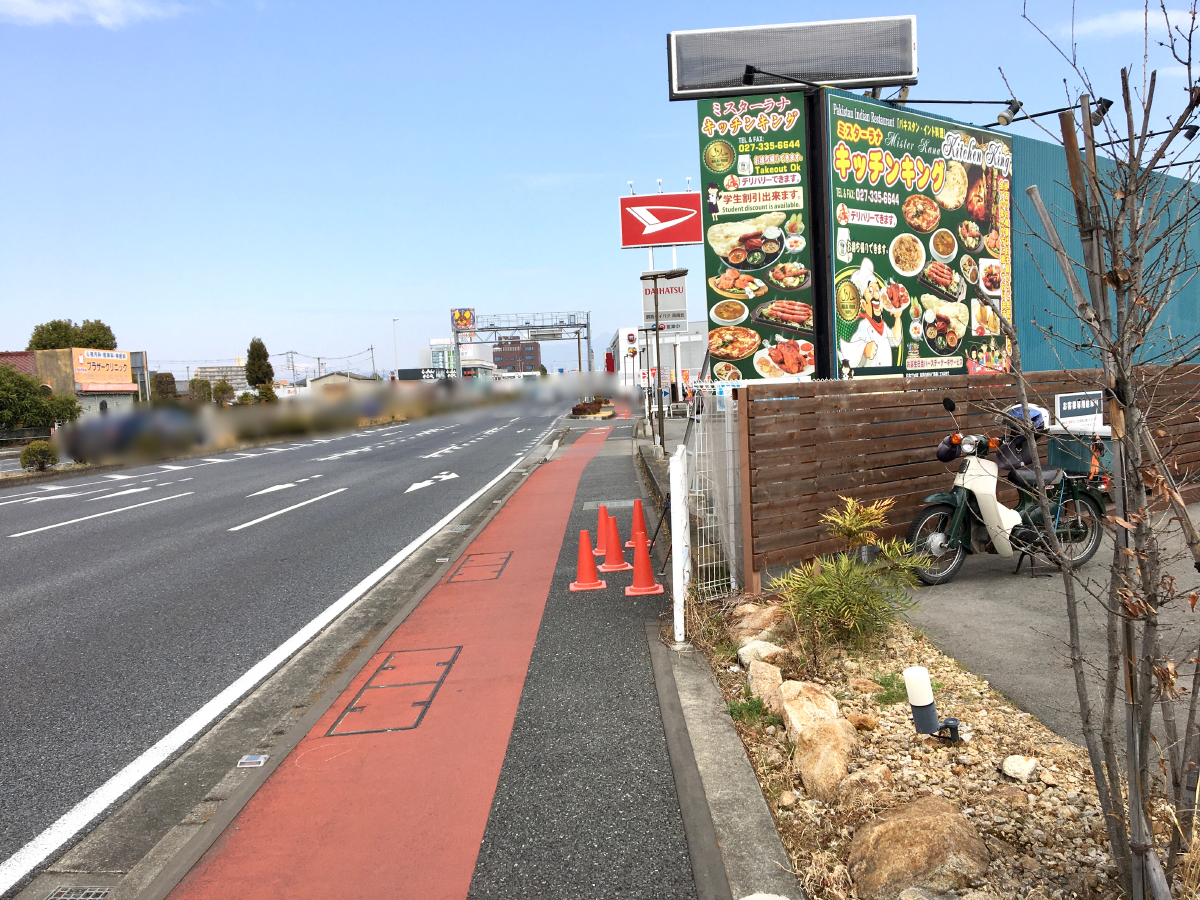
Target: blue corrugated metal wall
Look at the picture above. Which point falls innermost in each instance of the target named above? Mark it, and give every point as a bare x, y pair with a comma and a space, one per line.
1044, 164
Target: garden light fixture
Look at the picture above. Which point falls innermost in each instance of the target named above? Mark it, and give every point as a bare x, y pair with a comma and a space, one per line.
924, 710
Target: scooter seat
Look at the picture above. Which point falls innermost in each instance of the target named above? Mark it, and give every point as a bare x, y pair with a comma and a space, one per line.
1027, 478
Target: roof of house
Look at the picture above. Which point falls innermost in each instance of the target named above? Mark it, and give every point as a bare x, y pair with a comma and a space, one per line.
24, 361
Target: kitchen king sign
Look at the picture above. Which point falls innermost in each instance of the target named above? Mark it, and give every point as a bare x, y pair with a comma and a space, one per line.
661, 220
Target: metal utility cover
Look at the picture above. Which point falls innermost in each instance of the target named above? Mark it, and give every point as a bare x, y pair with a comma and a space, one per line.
847, 53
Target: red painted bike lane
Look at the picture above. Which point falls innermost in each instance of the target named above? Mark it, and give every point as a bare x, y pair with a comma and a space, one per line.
389, 794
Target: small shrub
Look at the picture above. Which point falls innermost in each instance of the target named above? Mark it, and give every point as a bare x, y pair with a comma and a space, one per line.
847, 597
38, 455
245, 398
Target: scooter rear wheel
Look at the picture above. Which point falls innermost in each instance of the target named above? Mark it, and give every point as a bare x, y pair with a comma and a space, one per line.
930, 522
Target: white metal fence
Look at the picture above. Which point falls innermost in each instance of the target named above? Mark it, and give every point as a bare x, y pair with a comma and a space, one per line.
714, 493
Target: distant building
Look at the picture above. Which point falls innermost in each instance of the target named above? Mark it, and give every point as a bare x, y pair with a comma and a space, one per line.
101, 380
517, 356
333, 384
438, 355
235, 375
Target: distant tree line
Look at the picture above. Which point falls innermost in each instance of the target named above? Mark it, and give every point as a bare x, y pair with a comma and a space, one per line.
59, 334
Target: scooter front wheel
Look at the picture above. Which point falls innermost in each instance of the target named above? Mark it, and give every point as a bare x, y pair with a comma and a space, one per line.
929, 534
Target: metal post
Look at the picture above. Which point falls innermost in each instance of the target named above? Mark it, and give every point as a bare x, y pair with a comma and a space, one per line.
730, 473
457, 354
680, 551
579, 356
591, 360
396, 346
662, 440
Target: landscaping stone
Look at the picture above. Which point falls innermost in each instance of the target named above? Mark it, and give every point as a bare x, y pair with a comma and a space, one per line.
759, 619
1019, 768
765, 681
865, 686
823, 752
871, 780
863, 722
927, 844
760, 650
805, 703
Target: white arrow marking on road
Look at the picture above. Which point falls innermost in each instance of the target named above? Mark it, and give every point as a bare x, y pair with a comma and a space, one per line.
172, 468
274, 487
441, 476
120, 493
280, 512
98, 515
120, 477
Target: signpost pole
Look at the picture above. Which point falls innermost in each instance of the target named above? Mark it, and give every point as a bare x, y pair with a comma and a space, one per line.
662, 441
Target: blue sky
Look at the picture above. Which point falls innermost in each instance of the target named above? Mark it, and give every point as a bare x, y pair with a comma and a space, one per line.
197, 172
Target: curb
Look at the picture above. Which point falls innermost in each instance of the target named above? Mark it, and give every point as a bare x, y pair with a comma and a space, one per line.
704, 849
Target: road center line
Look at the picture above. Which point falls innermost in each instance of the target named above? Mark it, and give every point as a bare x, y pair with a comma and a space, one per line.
280, 512
79, 816
108, 512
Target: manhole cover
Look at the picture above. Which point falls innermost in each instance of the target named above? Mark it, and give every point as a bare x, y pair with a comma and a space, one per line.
81, 892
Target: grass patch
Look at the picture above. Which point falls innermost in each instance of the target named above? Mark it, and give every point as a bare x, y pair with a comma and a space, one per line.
752, 711
894, 690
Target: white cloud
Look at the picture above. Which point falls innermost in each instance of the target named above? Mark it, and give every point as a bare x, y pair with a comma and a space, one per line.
106, 13
1126, 22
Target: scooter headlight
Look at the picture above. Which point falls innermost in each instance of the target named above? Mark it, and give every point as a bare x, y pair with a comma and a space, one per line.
968, 445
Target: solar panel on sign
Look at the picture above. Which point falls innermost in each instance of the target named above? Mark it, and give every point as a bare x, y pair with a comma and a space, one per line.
853, 52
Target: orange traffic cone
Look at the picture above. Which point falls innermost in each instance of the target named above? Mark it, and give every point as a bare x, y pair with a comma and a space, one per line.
588, 579
601, 531
614, 559
643, 573
639, 527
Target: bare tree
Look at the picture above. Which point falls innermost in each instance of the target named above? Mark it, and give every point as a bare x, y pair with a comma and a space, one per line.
1135, 203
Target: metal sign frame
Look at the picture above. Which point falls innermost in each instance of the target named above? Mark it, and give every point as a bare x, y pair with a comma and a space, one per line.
492, 329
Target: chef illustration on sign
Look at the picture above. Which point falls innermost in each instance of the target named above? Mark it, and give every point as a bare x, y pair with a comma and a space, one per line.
873, 340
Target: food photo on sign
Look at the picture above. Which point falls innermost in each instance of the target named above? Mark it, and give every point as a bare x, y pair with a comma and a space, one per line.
921, 227
757, 260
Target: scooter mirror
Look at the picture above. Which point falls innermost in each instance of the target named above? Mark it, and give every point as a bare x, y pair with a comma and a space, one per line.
948, 404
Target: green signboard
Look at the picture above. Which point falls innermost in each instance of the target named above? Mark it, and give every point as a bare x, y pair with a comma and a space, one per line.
920, 230
757, 262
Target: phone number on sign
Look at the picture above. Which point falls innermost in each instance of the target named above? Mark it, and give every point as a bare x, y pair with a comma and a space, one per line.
863, 195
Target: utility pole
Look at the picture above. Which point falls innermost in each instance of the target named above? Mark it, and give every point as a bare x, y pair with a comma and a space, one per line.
396, 347
373, 372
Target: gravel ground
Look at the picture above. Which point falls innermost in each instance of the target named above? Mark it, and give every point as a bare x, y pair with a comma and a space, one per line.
1047, 834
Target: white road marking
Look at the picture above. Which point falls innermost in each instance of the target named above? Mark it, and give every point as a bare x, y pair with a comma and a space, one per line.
189, 478
50, 497
96, 516
120, 494
120, 477
442, 476
274, 487
172, 468
280, 512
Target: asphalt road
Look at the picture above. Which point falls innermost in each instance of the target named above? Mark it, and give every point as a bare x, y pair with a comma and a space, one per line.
128, 600
1012, 630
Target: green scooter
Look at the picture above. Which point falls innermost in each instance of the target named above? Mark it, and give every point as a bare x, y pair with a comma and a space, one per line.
970, 519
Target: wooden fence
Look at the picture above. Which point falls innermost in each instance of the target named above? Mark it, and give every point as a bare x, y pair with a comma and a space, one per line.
805, 445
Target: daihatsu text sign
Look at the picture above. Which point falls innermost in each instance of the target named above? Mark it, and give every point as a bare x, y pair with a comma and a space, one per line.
672, 303
661, 220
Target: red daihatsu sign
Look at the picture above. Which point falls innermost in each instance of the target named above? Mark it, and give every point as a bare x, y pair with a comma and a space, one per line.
660, 220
